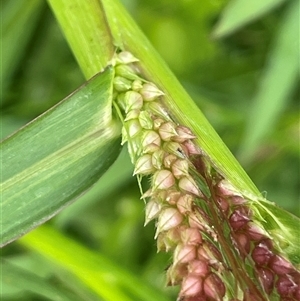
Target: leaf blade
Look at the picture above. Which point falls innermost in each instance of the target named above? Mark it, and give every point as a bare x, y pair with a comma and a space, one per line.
90, 267
56, 157
241, 12
277, 81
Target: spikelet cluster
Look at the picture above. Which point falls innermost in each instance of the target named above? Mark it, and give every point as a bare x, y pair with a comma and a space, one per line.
200, 218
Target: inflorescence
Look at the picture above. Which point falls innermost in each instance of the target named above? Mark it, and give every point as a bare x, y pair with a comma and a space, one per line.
219, 251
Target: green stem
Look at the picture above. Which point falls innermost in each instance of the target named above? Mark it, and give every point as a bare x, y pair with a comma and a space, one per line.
85, 28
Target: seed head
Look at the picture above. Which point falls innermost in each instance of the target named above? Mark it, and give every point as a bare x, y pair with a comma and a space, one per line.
176, 149
192, 285
183, 134
157, 122
144, 165
145, 120
266, 277
153, 209
256, 232
184, 253
150, 137
188, 185
192, 148
126, 71
199, 268
280, 265
163, 179
133, 127
168, 160
157, 158
158, 110
168, 240
180, 168
133, 114
225, 188
176, 273
172, 197
242, 242
261, 254
121, 84
191, 236
133, 101
238, 219
125, 57
169, 218
214, 288
185, 203
167, 131
286, 286
150, 92
151, 148
136, 85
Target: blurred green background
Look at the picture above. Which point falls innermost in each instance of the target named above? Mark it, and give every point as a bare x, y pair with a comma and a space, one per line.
245, 83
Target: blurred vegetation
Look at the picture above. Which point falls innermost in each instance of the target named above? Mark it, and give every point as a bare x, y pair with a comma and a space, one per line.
225, 76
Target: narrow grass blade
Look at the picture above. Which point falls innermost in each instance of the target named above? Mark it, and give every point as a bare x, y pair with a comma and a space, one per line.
241, 12
277, 82
58, 156
17, 281
18, 20
102, 276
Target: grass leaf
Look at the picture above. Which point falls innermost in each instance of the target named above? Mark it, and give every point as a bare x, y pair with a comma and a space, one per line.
277, 82
17, 281
18, 21
102, 276
241, 12
55, 158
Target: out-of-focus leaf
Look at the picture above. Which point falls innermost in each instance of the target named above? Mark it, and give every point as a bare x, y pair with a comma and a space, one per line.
16, 281
241, 12
18, 20
277, 82
102, 276
181, 106
58, 156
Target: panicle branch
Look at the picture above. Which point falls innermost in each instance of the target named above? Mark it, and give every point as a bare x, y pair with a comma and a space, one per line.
220, 251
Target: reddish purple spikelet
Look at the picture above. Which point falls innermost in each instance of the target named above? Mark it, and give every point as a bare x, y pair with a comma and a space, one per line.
261, 254
266, 276
281, 266
286, 286
239, 218
214, 287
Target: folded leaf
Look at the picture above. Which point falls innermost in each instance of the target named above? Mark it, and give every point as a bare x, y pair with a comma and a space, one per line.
56, 157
